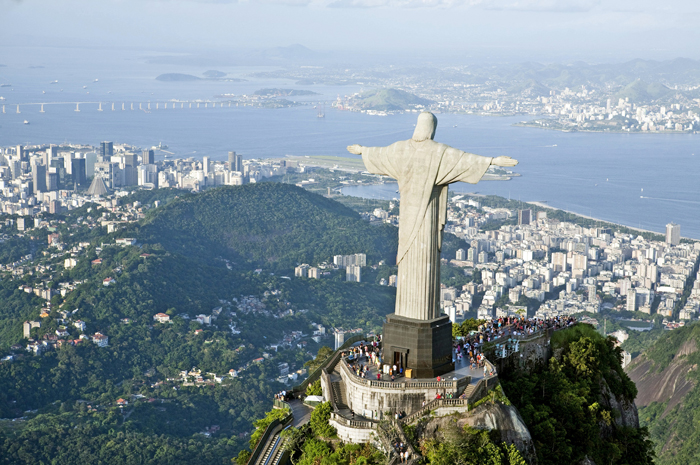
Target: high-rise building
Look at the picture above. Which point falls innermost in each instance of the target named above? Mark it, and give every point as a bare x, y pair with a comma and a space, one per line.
78, 171
301, 271
15, 168
51, 154
339, 338
524, 216
39, 178
461, 254
55, 207
559, 261
673, 234
106, 150
206, 165
148, 157
52, 180
90, 160
631, 300
592, 295
20, 152
353, 273
148, 176
109, 172
235, 162
358, 259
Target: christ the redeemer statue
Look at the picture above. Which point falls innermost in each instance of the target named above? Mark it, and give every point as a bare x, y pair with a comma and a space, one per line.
424, 169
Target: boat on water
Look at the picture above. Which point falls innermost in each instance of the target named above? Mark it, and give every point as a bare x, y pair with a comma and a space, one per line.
5, 85
26, 122
54, 82
96, 80
160, 146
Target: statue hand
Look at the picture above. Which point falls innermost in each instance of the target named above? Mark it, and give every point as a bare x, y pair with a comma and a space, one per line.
504, 161
356, 149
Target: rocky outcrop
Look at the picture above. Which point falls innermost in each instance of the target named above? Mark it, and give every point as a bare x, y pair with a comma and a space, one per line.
668, 385
504, 418
625, 411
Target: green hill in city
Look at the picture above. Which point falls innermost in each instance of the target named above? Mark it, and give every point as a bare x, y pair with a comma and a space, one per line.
391, 100
271, 225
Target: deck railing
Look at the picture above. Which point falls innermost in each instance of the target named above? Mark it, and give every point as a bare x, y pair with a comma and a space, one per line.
333, 358
260, 446
362, 424
406, 384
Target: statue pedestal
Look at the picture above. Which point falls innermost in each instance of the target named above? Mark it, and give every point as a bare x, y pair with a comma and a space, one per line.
422, 346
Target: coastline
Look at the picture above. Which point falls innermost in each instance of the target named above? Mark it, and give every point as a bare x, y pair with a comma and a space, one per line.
545, 205
615, 131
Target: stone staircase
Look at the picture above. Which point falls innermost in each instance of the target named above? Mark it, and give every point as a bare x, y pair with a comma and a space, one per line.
338, 388
469, 390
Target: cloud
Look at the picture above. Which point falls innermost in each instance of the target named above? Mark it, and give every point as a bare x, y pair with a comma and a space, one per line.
558, 6
400, 3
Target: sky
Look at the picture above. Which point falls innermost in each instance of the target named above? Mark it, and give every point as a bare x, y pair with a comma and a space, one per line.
547, 30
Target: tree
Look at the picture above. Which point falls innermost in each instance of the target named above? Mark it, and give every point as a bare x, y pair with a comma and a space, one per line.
319, 421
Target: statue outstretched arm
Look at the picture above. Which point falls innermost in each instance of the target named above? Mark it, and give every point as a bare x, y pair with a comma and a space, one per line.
355, 149
506, 162
462, 166
457, 165
377, 160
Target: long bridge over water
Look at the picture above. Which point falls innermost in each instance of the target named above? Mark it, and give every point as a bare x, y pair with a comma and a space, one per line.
122, 106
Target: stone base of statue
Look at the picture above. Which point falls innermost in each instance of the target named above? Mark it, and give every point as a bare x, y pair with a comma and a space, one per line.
422, 346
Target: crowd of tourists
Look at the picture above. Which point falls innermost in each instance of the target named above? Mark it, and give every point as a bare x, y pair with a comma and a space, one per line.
510, 327
469, 348
402, 450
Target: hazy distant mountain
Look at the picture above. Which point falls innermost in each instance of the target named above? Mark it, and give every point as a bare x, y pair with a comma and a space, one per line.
213, 74
284, 92
530, 88
642, 92
172, 77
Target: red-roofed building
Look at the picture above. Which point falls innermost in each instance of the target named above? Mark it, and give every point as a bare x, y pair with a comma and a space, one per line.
161, 317
100, 339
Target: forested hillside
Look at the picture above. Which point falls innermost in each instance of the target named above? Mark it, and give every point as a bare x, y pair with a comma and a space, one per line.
270, 225
195, 257
669, 397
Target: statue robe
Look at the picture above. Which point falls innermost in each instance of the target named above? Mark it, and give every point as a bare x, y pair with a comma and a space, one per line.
424, 170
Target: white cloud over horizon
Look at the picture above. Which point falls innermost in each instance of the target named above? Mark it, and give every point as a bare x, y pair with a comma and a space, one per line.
531, 28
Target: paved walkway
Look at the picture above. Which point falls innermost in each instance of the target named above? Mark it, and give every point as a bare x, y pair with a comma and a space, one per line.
301, 412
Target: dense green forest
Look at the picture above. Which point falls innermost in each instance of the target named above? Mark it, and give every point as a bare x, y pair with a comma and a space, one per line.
195, 253
271, 225
564, 403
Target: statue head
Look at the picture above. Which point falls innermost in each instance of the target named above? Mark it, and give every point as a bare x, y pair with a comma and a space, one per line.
425, 127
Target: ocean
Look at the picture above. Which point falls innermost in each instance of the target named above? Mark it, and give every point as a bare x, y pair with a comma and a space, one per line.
639, 180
